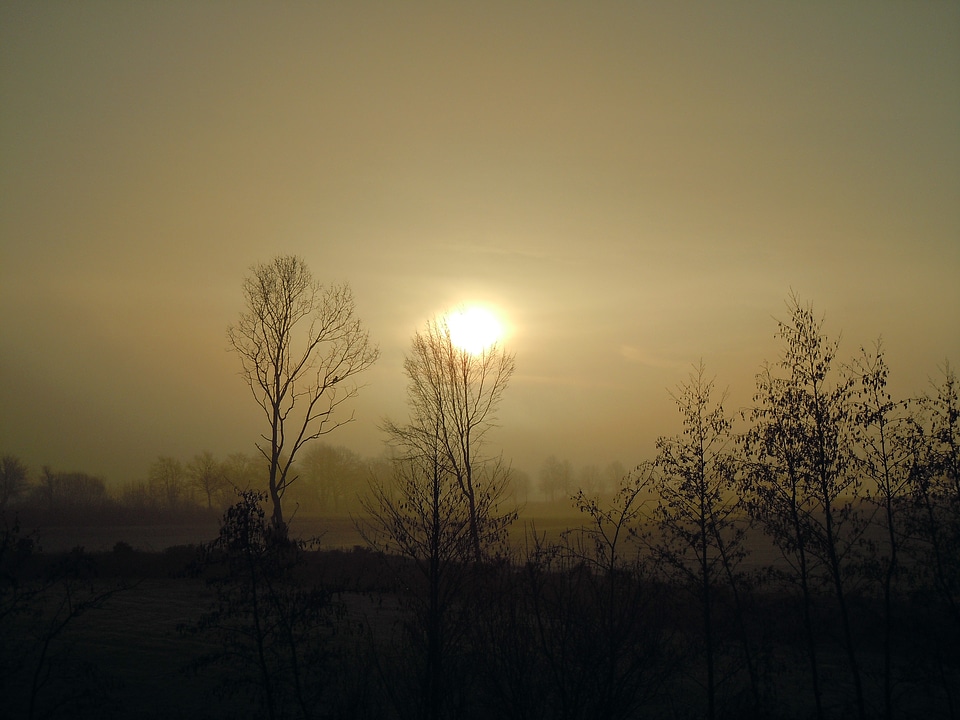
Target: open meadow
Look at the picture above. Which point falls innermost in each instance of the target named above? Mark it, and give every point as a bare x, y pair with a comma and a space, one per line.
138, 645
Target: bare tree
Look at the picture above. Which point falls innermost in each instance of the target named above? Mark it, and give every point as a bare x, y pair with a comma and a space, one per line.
424, 516
887, 448
13, 479
589, 480
441, 509
70, 492
272, 621
935, 521
167, 482
206, 475
613, 474
242, 471
628, 640
300, 344
933, 524
330, 476
556, 476
589, 614
701, 539
453, 396
520, 484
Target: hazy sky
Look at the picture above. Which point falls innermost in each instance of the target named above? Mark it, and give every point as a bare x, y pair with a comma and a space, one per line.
635, 185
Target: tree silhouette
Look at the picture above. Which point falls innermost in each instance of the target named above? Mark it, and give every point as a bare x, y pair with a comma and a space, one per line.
932, 522
167, 479
207, 476
329, 477
937, 490
13, 479
271, 618
424, 516
441, 509
300, 344
453, 396
556, 476
887, 447
800, 480
700, 539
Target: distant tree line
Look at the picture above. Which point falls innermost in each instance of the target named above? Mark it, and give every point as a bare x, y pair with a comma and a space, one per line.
173, 491
330, 481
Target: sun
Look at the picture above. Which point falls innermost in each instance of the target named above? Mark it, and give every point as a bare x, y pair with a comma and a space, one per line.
473, 329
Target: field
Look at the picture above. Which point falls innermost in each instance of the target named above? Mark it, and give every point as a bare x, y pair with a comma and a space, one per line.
134, 642
337, 532
128, 657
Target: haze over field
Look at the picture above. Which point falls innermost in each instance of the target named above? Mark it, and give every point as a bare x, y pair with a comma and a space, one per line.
632, 187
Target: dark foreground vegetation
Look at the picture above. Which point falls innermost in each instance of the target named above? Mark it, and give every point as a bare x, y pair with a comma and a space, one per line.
251, 626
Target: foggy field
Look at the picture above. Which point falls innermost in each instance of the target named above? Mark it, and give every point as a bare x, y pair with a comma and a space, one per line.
133, 640
102, 538
139, 662
332, 532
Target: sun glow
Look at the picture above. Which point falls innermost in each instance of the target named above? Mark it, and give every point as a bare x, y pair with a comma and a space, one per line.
474, 329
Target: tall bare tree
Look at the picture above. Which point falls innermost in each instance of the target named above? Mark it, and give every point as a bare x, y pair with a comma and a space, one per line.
300, 344
441, 509
453, 396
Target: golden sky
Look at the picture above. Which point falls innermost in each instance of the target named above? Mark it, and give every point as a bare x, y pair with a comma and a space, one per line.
634, 185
